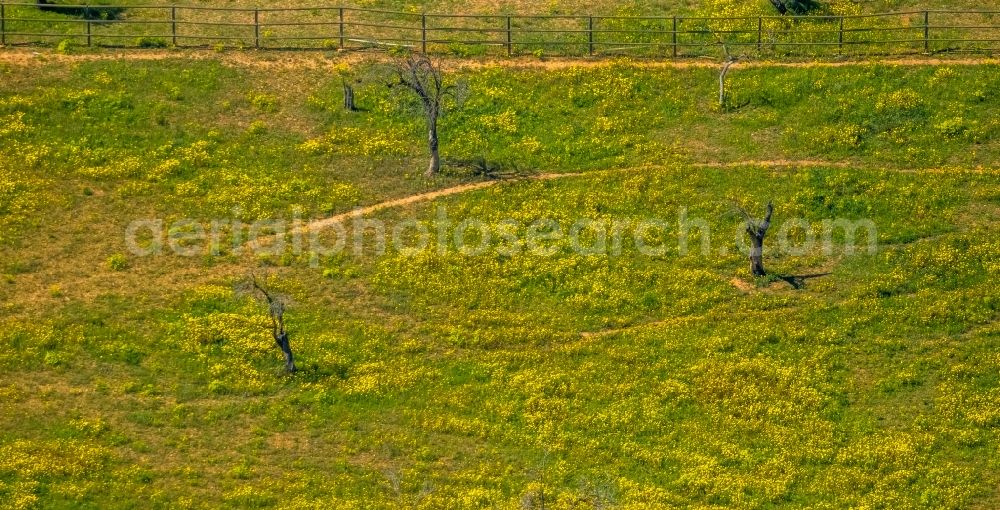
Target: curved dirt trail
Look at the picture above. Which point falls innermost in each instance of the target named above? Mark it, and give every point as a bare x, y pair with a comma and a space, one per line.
421, 197
463, 188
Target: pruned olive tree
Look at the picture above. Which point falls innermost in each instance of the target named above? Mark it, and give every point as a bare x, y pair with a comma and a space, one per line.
729, 60
419, 75
726, 33
276, 309
756, 229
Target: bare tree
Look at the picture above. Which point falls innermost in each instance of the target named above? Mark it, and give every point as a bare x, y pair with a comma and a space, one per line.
418, 73
757, 229
276, 309
729, 61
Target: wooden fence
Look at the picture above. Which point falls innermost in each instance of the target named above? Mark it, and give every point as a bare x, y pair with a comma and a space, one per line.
330, 28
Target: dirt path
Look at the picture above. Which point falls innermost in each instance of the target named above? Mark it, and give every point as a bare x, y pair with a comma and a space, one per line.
421, 197
774, 163
463, 188
276, 59
399, 202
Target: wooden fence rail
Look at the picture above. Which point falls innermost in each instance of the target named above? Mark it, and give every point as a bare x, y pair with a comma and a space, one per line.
330, 28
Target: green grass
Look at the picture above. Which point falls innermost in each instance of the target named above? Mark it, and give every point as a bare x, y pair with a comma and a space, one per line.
442, 380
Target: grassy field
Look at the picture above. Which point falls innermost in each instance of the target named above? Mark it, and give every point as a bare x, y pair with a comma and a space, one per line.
446, 380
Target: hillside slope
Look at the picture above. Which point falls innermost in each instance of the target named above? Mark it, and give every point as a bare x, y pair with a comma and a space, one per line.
510, 378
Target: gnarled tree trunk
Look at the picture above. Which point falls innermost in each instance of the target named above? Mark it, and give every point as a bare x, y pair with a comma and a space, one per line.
432, 145
722, 82
282, 340
349, 97
757, 255
757, 230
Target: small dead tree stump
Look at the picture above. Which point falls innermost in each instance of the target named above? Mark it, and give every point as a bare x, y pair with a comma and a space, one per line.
349, 97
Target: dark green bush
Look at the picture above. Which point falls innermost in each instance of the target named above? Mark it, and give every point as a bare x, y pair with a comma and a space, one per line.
150, 42
96, 10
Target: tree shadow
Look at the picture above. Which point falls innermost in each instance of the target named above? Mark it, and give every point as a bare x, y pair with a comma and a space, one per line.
91, 12
798, 281
485, 169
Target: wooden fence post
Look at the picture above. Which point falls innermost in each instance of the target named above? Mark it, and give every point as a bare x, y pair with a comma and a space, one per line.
86, 16
840, 37
423, 33
173, 25
510, 39
674, 37
3, 25
341, 17
760, 33
590, 34
927, 31
256, 28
